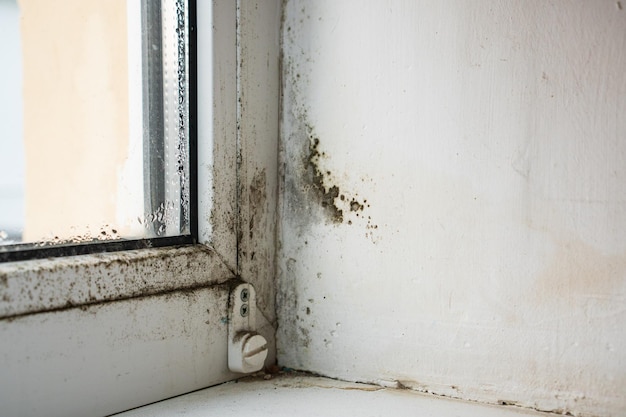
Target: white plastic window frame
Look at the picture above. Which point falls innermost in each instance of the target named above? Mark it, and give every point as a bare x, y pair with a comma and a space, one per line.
102, 333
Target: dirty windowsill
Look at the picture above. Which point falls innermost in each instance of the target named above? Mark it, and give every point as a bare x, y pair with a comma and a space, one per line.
304, 395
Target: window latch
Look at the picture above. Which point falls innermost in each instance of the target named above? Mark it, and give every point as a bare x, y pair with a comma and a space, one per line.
247, 349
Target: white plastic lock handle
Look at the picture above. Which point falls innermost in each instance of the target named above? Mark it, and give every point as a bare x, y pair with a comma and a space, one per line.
248, 353
247, 350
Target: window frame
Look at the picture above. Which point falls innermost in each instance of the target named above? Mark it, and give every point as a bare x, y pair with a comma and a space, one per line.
57, 313
102, 333
214, 208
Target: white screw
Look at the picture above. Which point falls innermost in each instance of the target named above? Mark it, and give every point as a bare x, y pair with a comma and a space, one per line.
255, 352
247, 353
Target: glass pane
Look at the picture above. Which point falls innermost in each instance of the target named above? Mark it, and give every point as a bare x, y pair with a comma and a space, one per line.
93, 116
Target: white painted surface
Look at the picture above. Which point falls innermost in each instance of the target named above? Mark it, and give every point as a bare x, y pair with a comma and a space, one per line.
108, 358
310, 396
486, 143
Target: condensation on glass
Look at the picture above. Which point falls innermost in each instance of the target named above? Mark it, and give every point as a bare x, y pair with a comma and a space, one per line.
94, 136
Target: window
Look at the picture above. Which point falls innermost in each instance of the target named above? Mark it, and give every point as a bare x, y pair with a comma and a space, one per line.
100, 333
107, 149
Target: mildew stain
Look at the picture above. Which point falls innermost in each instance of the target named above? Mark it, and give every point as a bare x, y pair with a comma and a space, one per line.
355, 206
312, 193
99, 279
323, 187
326, 195
257, 199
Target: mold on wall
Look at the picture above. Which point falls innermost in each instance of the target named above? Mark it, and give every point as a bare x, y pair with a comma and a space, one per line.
324, 189
481, 146
258, 88
310, 186
326, 195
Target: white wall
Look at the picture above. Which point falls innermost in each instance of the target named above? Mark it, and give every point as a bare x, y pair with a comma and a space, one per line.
475, 243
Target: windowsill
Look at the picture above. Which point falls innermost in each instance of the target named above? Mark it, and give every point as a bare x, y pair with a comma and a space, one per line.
297, 395
44, 285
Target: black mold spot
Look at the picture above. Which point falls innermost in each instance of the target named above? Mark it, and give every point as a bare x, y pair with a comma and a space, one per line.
325, 196
257, 200
332, 200
313, 192
305, 338
355, 205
